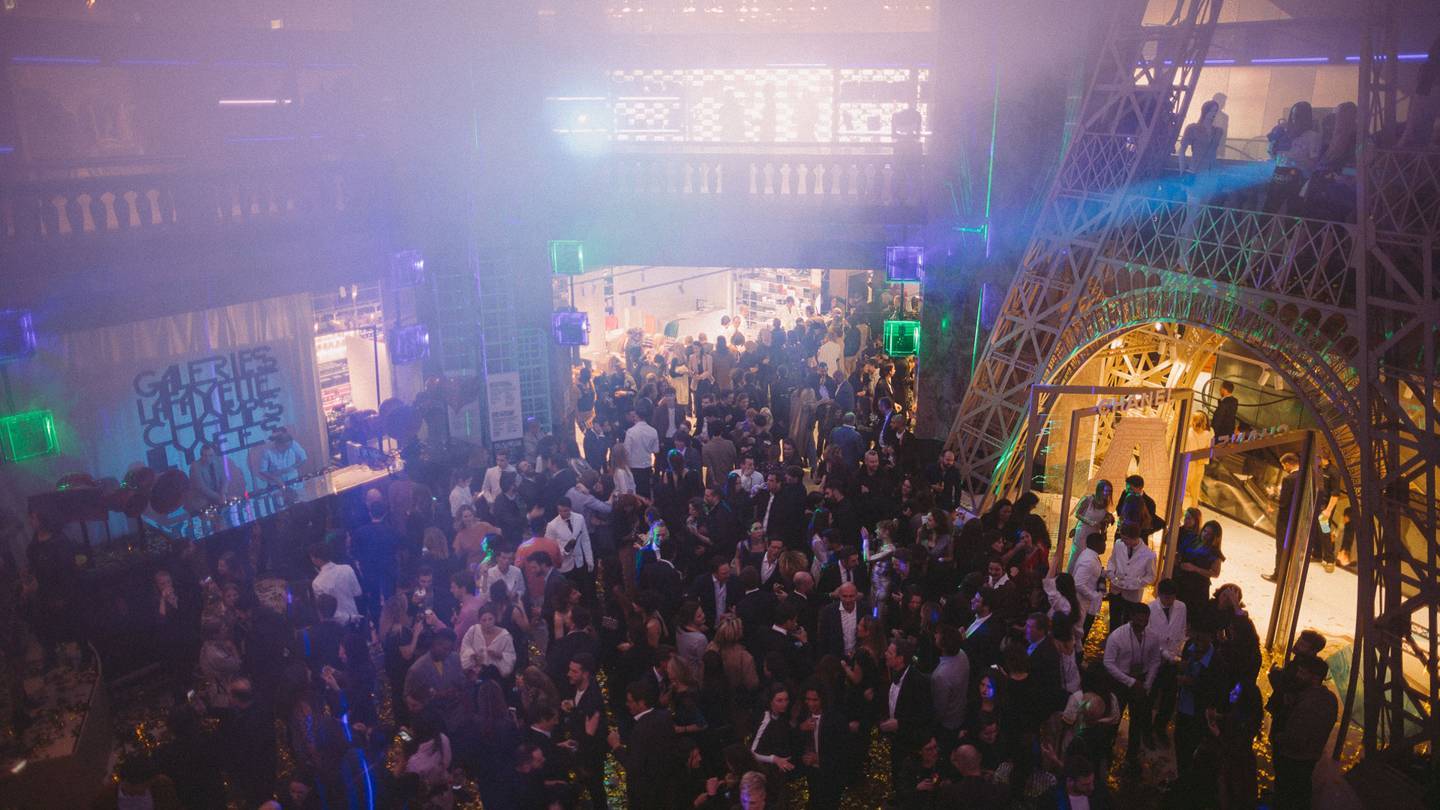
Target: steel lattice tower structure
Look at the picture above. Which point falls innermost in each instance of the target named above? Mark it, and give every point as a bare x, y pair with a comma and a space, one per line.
1347, 313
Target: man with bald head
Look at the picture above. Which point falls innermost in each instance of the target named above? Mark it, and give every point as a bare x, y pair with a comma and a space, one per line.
807, 605
838, 621
971, 788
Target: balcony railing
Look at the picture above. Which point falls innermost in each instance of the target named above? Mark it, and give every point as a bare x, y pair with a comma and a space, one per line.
836, 180
178, 201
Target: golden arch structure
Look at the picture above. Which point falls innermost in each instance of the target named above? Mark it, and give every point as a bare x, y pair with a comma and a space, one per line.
1347, 313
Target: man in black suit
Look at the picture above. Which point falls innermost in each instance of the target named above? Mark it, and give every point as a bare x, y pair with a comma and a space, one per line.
719, 520
908, 707
827, 749
1224, 420
543, 733
1137, 507
756, 607
787, 638
838, 620
982, 637
716, 591
769, 564
1290, 466
1045, 665
781, 507
649, 756
844, 520
584, 712
807, 605
579, 641
844, 568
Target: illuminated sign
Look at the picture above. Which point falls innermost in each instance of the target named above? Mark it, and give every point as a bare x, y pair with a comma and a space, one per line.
1153, 398
1243, 436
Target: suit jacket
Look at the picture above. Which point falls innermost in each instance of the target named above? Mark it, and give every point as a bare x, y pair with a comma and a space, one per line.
1223, 421
562, 650
702, 589
837, 746
830, 579
557, 759
1049, 680
651, 760
592, 749
913, 708
809, 611
796, 654
830, 636
787, 517
983, 646
756, 611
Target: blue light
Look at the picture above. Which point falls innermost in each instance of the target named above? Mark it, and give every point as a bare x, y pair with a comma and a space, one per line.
1219, 61
1291, 60
156, 62
5, 150
54, 60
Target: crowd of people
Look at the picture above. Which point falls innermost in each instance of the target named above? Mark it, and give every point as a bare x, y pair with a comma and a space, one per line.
735, 597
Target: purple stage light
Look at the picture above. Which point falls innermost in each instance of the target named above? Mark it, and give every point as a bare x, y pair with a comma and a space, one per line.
904, 263
570, 328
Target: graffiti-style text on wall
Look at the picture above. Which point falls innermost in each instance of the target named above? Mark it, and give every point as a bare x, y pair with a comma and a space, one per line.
233, 398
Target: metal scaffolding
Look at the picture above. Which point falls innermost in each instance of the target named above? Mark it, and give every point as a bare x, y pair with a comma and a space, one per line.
1347, 313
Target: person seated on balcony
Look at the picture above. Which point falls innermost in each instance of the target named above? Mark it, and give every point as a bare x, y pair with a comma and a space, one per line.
1295, 146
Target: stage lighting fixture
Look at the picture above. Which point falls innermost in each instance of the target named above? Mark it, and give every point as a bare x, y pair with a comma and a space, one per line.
902, 338
409, 344
570, 328
17, 335
904, 263
407, 269
28, 435
567, 258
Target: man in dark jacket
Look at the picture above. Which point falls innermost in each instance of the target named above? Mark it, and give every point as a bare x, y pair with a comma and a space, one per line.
1225, 421
908, 708
649, 754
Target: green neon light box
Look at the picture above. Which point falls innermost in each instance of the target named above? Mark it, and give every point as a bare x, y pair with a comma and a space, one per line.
28, 435
902, 338
567, 258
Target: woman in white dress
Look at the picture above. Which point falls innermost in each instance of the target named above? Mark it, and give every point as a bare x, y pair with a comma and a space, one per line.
486, 643
1091, 515
1198, 437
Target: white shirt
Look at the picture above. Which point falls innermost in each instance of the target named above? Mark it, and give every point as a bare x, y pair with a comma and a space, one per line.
513, 578
641, 445
720, 593
895, 691
476, 652
848, 618
767, 567
339, 581
1124, 654
1171, 630
285, 462
830, 353
752, 483
490, 486
459, 496
624, 481
997, 583
1087, 572
1129, 571
562, 532
975, 625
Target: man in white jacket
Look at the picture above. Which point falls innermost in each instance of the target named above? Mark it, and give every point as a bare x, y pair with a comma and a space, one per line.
1132, 657
1131, 569
1167, 622
1088, 574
